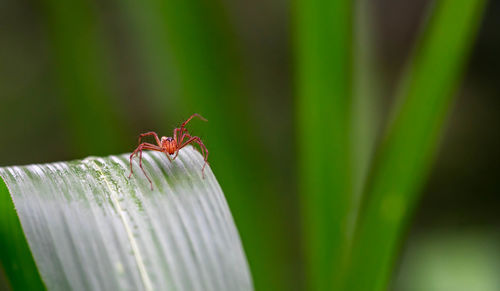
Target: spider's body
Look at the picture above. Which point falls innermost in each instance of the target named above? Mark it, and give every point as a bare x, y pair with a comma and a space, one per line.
170, 145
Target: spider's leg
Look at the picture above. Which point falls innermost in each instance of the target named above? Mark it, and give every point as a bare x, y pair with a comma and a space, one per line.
144, 171
176, 154
139, 149
148, 147
179, 134
144, 145
131, 169
176, 130
168, 156
204, 151
180, 141
191, 117
148, 134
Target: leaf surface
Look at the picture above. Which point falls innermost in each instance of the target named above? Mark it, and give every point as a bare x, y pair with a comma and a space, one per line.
89, 227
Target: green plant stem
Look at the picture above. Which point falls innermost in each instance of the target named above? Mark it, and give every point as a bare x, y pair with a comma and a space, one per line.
366, 100
323, 106
405, 157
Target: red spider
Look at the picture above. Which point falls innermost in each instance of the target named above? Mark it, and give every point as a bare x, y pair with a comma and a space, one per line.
170, 146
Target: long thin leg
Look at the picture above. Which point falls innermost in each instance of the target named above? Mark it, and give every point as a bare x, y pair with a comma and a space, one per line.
140, 166
168, 157
183, 133
205, 154
176, 154
204, 150
180, 131
191, 117
148, 146
148, 134
139, 149
179, 142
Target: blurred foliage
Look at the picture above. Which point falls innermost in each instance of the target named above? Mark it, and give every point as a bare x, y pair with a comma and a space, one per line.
82, 67
118, 68
445, 260
324, 105
337, 261
407, 151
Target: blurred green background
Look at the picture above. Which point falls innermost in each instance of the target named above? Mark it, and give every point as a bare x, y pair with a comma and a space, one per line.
82, 77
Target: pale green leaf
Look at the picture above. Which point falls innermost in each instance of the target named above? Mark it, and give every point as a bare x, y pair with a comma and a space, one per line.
89, 227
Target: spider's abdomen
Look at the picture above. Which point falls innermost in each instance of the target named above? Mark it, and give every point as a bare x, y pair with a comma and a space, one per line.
170, 146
